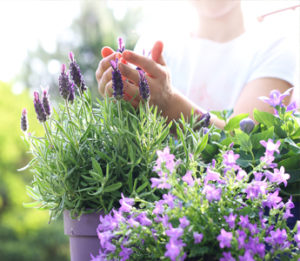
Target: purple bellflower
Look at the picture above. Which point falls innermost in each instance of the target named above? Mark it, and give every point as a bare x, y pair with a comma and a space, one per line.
275, 98
247, 125
24, 121
76, 74
117, 83
225, 238
39, 108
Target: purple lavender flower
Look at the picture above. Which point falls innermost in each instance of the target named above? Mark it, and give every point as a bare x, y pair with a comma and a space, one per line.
64, 83
188, 178
230, 220
275, 98
72, 93
205, 120
24, 121
46, 103
212, 193
125, 253
126, 204
184, 222
39, 109
247, 125
76, 74
227, 257
270, 146
143, 85
225, 238
117, 82
197, 237
121, 45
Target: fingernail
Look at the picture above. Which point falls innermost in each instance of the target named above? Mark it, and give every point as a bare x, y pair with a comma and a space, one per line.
123, 61
118, 55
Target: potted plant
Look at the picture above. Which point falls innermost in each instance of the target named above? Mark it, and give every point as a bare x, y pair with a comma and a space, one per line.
91, 153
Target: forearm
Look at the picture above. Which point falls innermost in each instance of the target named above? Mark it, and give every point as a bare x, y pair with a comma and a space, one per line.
178, 104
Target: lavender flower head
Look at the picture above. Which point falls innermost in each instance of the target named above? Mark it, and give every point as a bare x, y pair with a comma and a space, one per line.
39, 108
24, 121
121, 45
143, 85
117, 82
46, 103
64, 83
72, 93
76, 74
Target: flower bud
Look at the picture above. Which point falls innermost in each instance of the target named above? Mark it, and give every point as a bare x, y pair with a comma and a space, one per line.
39, 109
76, 74
121, 45
46, 103
64, 83
143, 85
24, 121
247, 125
117, 83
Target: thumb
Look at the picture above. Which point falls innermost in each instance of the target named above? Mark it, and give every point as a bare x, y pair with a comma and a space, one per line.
106, 51
156, 53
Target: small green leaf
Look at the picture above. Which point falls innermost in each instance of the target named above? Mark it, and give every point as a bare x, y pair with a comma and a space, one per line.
97, 167
265, 118
113, 187
243, 140
142, 187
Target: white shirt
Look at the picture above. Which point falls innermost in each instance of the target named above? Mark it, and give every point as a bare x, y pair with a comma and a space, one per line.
213, 74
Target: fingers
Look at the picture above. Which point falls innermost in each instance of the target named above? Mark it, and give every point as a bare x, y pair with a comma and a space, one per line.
103, 65
157, 53
148, 65
129, 73
104, 80
106, 51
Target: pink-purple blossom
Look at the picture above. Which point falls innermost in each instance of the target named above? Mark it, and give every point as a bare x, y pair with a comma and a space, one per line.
270, 146
212, 193
278, 177
197, 237
225, 238
126, 204
188, 178
184, 222
275, 98
230, 220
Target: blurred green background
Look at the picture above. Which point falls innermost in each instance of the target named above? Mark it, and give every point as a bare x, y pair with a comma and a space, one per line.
25, 233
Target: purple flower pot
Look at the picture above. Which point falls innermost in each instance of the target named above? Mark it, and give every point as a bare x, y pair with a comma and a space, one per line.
83, 236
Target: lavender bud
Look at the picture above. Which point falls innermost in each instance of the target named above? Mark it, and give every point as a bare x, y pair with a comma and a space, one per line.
72, 93
247, 125
117, 82
39, 109
64, 83
76, 74
121, 45
143, 85
204, 119
46, 103
24, 121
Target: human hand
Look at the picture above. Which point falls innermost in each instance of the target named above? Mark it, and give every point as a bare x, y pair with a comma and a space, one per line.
104, 77
157, 75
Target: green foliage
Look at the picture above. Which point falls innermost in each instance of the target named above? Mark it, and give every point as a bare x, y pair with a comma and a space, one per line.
92, 154
24, 233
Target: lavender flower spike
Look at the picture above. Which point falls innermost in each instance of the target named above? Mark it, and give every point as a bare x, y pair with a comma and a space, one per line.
117, 82
72, 93
46, 103
76, 74
39, 108
64, 83
121, 48
24, 121
143, 85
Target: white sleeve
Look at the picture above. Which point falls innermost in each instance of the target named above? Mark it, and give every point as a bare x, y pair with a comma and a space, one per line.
276, 60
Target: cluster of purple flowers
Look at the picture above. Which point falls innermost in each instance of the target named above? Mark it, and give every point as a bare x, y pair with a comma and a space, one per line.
179, 219
42, 107
117, 81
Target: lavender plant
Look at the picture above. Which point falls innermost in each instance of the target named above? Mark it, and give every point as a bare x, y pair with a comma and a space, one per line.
90, 154
220, 212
